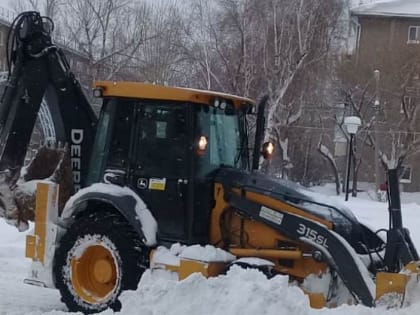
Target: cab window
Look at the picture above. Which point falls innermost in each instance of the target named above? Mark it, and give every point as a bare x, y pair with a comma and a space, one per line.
162, 139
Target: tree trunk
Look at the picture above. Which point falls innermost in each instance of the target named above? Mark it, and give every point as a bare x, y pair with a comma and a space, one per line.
354, 181
306, 161
333, 166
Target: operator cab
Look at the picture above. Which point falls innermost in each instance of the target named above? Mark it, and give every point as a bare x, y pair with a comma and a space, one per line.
167, 144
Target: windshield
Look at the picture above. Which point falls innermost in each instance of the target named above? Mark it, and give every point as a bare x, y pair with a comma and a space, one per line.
101, 145
225, 131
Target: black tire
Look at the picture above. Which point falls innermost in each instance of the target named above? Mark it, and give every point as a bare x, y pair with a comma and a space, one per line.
111, 232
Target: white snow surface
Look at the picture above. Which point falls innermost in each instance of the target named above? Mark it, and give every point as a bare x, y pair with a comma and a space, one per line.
172, 256
206, 253
148, 222
237, 292
254, 261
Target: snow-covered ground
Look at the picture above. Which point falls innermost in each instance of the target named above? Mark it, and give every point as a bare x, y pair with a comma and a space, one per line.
238, 292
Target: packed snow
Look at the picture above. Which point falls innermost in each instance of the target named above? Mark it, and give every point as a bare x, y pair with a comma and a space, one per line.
238, 292
173, 255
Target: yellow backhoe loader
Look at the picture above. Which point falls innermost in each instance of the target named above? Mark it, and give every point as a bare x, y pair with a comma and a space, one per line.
165, 165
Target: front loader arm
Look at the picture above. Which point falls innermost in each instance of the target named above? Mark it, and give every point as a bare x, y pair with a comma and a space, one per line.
334, 249
274, 219
39, 70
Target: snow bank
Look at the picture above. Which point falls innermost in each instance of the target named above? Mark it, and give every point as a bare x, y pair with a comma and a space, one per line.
206, 253
238, 292
172, 256
17, 298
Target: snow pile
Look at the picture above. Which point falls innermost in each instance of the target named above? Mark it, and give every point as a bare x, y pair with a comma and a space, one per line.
206, 253
17, 298
238, 292
172, 256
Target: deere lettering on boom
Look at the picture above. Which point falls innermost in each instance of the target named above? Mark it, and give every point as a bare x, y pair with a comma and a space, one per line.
163, 165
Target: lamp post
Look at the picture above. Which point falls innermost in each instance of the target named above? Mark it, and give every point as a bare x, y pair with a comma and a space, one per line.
352, 124
377, 108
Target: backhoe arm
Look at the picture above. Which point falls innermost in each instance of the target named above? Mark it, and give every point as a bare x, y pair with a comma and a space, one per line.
38, 70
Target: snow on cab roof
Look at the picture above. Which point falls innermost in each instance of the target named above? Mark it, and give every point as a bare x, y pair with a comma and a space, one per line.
393, 8
160, 92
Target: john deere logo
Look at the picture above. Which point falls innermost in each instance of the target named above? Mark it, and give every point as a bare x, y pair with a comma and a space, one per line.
142, 183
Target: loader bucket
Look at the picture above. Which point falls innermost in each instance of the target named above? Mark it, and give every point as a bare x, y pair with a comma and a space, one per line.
398, 289
17, 197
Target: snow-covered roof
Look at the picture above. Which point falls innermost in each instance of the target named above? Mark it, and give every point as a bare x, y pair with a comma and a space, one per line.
397, 8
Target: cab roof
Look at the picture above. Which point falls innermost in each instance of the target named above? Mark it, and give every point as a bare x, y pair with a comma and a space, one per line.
160, 92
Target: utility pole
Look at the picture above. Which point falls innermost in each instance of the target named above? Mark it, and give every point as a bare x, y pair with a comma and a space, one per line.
376, 107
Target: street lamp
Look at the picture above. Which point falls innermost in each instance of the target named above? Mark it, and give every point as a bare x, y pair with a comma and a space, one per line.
352, 124
377, 109
377, 75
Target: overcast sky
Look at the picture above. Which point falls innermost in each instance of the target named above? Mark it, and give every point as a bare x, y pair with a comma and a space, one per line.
4, 3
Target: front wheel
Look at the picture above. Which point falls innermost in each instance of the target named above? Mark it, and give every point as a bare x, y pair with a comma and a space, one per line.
99, 257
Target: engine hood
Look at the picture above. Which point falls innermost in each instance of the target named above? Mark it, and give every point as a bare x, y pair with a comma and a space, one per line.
283, 190
343, 220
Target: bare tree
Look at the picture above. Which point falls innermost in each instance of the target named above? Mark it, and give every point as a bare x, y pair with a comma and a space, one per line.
298, 37
198, 46
405, 100
160, 58
46, 7
251, 48
391, 124
107, 32
245, 47
223, 43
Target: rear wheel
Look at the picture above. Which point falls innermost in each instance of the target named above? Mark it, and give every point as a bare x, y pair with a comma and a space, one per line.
99, 256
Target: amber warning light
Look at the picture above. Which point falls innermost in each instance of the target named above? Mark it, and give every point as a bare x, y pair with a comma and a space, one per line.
267, 150
202, 145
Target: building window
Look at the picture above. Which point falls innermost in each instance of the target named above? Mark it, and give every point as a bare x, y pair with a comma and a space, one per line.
413, 35
1, 38
405, 175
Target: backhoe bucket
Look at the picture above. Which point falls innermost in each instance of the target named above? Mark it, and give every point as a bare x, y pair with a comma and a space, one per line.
17, 198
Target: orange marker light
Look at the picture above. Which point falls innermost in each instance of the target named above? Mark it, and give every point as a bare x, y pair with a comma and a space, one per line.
267, 150
202, 145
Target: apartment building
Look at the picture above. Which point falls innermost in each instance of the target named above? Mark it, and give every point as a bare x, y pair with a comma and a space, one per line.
388, 39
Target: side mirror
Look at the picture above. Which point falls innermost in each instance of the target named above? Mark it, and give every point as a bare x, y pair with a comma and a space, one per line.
267, 150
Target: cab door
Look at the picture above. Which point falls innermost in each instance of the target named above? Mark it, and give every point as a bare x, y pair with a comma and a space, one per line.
161, 164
